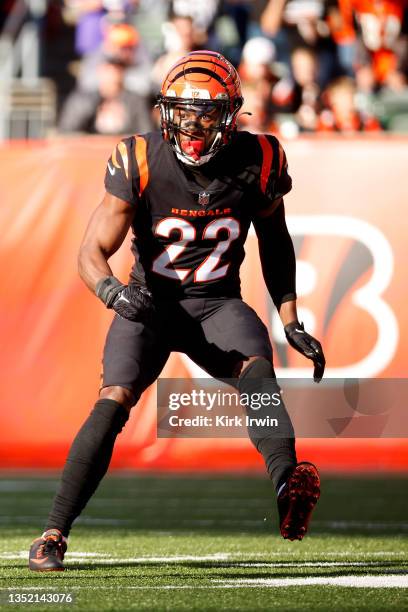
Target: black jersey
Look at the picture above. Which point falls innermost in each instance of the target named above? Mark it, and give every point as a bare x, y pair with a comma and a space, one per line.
190, 226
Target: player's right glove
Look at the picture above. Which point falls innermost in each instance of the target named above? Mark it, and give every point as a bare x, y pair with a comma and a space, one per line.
308, 346
131, 302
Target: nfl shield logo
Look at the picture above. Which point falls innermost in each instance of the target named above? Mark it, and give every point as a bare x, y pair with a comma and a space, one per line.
203, 198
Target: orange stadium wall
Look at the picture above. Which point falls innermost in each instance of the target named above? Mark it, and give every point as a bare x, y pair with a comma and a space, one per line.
347, 216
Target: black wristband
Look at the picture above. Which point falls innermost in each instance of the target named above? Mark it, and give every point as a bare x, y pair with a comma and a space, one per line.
293, 326
107, 289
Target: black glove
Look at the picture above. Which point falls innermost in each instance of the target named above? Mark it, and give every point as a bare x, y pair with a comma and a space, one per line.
307, 345
131, 302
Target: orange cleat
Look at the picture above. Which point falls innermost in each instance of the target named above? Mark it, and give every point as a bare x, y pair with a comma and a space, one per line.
297, 500
47, 553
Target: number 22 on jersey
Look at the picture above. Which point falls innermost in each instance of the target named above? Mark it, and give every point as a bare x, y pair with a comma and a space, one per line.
208, 269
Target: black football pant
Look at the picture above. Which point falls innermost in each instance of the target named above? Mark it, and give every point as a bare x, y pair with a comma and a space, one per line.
217, 334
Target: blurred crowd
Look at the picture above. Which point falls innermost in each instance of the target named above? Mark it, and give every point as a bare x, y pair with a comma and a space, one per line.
305, 65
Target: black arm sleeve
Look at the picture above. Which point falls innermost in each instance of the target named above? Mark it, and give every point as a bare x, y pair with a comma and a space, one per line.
277, 256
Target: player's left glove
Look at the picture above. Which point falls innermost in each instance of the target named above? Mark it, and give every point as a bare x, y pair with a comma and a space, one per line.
307, 345
132, 302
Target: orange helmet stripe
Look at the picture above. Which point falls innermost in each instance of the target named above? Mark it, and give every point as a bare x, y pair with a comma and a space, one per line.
203, 70
198, 70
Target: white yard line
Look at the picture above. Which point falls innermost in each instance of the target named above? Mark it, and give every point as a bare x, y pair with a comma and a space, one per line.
373, 582
386, 581
221, 556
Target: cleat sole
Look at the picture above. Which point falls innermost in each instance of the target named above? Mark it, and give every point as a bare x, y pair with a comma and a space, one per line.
302, 493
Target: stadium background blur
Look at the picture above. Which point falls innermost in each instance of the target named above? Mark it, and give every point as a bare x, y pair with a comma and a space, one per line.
328, 77
306, 65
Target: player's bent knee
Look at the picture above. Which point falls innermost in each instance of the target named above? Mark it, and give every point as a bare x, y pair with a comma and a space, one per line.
257, 367
122, 395
257, 370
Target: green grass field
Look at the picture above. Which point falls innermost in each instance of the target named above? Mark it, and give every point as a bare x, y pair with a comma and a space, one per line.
211, 543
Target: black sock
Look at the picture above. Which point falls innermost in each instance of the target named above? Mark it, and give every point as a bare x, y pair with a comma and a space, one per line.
87, 463
277, 446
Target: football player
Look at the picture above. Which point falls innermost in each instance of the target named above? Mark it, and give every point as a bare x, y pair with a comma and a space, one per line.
189, 194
